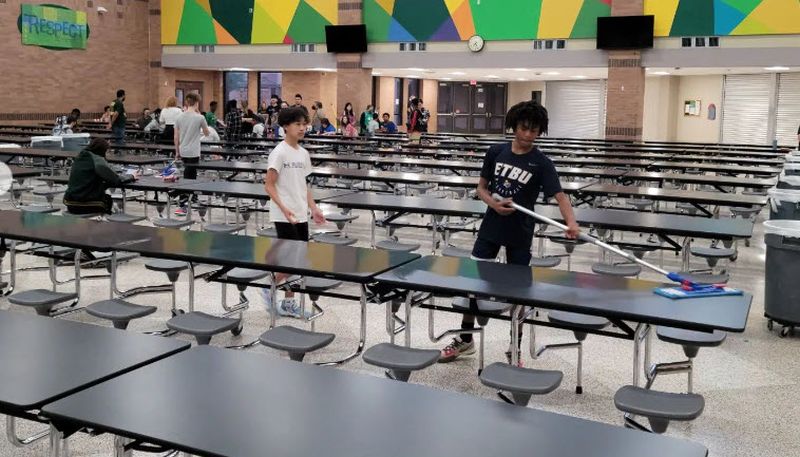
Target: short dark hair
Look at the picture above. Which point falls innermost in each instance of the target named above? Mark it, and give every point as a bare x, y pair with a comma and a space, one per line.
120, 93
98, 146
528, 115
145, 109
298, 96
213, 103
275, 97
231, 105
291, 115
374, 115
325, 121
107, 107
386, 114
76, 112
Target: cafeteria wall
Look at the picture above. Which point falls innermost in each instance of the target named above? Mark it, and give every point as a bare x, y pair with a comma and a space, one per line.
664, 119
38, 83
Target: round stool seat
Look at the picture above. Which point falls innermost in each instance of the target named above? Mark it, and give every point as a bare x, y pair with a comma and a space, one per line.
41, 209
744, 212
396, 246
335, 239
452, 251
623, 270
246, 274
545, 262
166, 265
713, 253
125, 218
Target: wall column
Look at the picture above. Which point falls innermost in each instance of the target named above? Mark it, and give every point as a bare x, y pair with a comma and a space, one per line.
626, 79
354, 82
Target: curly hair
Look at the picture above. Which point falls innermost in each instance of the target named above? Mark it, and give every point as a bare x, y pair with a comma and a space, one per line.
528, 115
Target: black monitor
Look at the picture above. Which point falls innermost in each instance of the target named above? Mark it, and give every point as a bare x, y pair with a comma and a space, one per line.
625, 32
346, 38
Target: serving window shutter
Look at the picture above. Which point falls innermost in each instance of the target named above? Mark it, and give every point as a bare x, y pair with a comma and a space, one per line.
746, 109
577, 109
788, 112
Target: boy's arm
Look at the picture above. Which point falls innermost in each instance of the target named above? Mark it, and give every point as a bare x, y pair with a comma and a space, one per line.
270, 185
316, 213
176, 139
565, 206
502, 207
204, 127
114, 115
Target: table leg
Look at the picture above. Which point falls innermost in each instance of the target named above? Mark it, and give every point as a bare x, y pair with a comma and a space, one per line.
515, 335
363, 332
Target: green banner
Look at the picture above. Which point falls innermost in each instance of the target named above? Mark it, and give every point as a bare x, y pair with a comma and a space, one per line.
53, 27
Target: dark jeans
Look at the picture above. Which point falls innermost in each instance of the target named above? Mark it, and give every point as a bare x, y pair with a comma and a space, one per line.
189, 172
118, 134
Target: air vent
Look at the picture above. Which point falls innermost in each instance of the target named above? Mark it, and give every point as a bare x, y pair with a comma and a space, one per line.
700, 42
413, 46
204, 49
303, 48
549, 45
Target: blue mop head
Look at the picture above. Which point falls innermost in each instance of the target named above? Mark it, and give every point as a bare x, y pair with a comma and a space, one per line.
690, 289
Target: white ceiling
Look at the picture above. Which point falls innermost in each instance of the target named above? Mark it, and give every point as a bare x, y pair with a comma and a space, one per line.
549, 74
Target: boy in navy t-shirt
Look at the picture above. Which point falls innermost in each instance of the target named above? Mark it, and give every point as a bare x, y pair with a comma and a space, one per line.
518, 172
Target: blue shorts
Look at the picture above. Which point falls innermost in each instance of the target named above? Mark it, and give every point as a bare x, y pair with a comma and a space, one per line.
488, 250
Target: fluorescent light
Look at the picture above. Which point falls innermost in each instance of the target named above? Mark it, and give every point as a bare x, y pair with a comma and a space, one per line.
660, 73
413, 76
521, 79
446, 79
517, 69
579, 77
417, 70
551, 73
376, 73
457, 73
238, 69
777, 68
323, 69
492, 76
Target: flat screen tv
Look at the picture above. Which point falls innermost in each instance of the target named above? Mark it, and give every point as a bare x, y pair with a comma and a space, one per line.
625, 32
346, 38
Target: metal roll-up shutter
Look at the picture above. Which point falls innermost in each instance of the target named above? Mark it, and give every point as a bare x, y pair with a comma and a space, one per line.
745, 109
577, 109
788, 112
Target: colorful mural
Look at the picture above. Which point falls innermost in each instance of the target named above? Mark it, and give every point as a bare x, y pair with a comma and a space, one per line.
218, 22
457, 20
724, 17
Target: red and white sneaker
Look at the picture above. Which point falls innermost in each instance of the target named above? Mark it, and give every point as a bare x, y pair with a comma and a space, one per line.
455, 349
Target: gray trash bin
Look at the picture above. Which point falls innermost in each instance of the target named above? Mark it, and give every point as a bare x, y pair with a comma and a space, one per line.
791, 168
781, 288
784, 204
788, 182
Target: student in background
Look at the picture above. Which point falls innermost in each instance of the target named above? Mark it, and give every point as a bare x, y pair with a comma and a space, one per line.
89, 178
118, 118
373, 125
364, 119
167, 119
154, 125
271, 116
211, 114
414, 131
317, 113
233, 121
298, 102
144, 119
289, 166
326, 128
348, 121
188, 129
106, 116
388, 126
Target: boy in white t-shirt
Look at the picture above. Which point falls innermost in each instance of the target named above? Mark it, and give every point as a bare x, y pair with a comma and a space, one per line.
290, 197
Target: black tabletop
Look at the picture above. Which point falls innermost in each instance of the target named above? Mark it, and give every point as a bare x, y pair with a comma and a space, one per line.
716, 168
345, 263
716, 180
22, 172
634, 221
228, 403
69, 231
395, 176
689, 196
45, 359
597, 295
250, 190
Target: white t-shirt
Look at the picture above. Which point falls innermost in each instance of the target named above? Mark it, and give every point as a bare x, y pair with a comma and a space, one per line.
293, 167
170, 115
372, 126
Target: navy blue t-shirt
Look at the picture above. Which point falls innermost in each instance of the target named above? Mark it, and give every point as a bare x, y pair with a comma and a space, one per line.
520, 177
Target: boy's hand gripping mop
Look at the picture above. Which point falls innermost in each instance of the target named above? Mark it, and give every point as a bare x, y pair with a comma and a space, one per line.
687, 288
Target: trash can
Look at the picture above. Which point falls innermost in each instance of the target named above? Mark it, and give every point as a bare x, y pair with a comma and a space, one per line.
788, 182
791, 168
47, 142
75, 141
784, 204
781, 288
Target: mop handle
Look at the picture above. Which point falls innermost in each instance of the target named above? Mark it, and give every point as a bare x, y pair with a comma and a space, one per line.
585, 237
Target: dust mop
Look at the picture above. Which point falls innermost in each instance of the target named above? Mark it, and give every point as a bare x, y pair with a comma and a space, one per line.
687, 288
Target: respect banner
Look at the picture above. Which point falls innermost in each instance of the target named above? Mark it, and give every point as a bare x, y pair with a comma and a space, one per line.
53, 27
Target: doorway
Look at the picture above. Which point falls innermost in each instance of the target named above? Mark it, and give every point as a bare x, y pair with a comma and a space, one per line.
464, 107
187, 87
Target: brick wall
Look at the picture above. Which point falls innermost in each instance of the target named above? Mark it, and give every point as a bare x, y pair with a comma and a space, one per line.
313, 86
38, 80
626, 79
